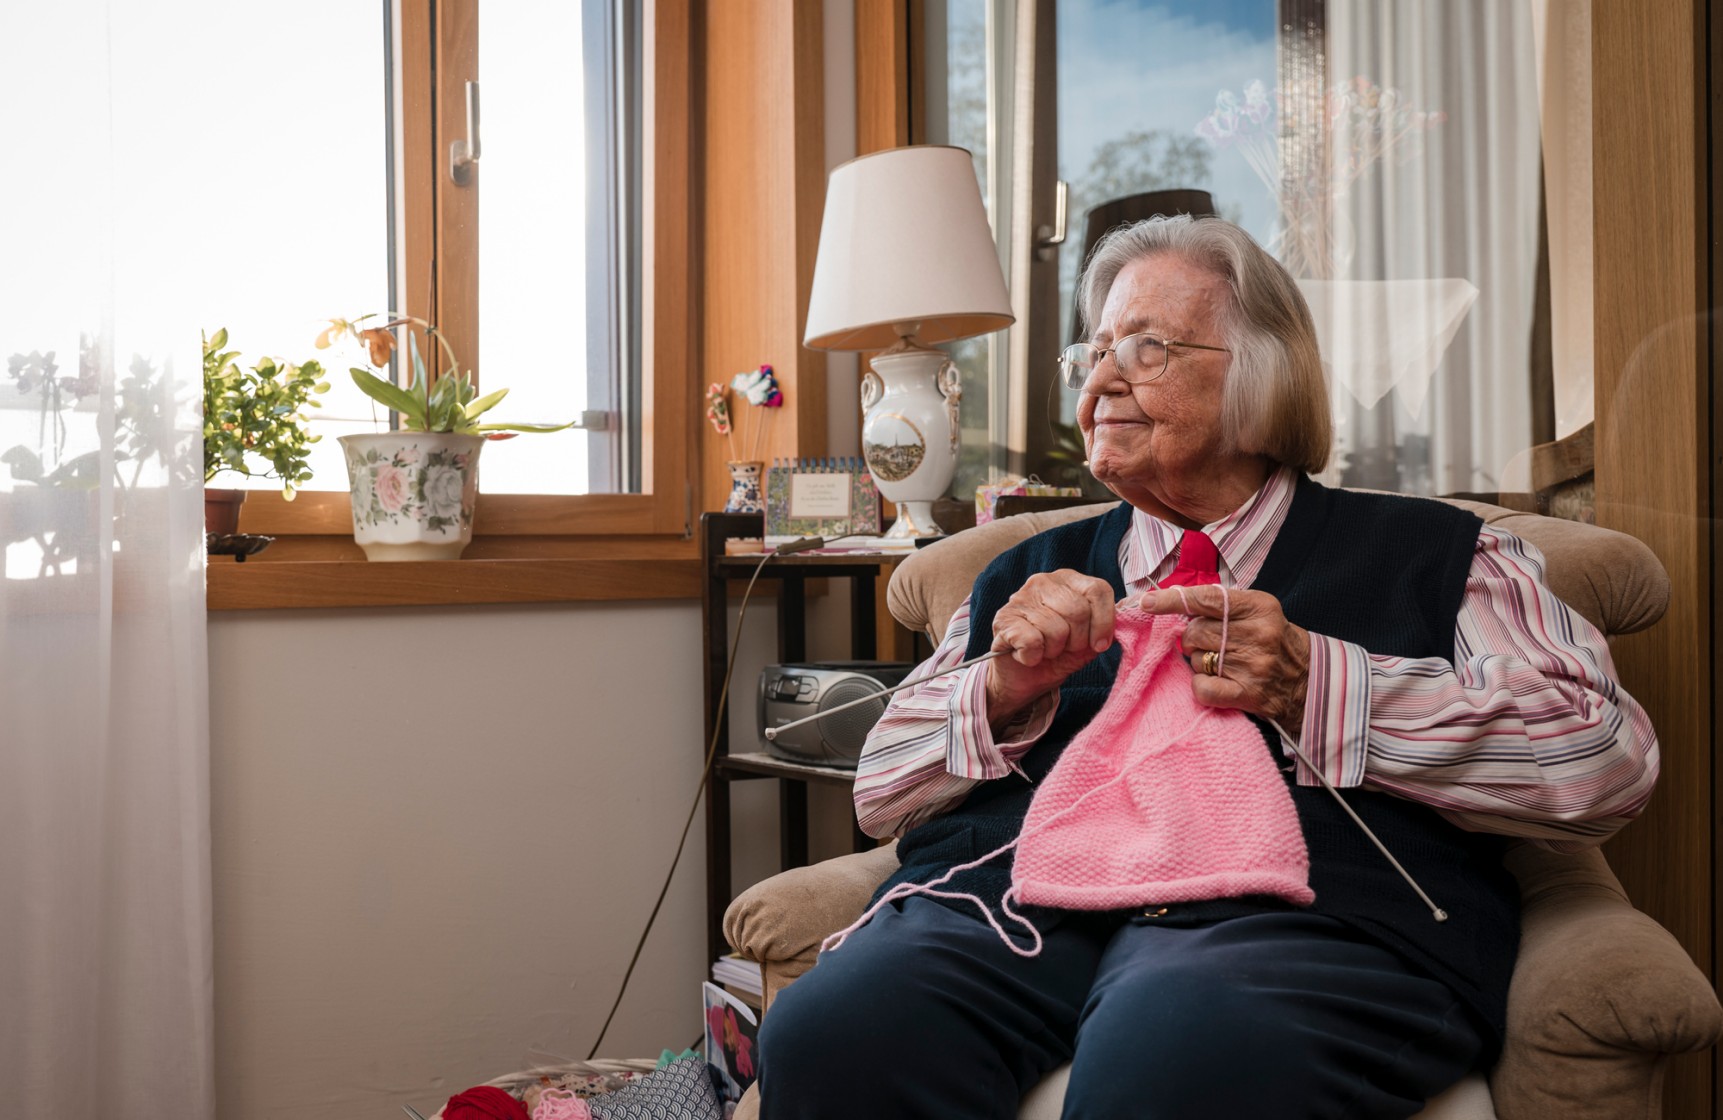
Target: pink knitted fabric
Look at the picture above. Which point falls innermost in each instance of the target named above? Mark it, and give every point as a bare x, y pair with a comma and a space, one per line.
1160, 799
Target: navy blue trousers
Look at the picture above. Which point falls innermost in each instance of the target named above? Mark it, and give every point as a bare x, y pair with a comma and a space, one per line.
925, 1013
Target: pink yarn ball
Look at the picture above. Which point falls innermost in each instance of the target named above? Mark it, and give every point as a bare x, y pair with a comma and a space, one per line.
560, 1104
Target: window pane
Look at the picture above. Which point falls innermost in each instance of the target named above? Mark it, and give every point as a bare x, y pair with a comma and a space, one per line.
555, 313
300, 232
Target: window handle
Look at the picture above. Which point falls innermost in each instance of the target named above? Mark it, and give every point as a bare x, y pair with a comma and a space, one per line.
464, 153
1048, 238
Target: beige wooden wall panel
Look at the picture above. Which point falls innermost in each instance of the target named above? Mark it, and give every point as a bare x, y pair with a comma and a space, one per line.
763, 192
1653, 444
883, 75
456, 309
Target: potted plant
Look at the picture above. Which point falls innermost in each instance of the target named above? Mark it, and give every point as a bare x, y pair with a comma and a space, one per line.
414, 490
250, 415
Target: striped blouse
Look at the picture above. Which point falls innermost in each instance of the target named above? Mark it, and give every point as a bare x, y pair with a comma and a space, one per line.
1525, 732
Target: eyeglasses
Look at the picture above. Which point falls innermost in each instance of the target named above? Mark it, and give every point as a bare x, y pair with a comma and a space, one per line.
1139, 359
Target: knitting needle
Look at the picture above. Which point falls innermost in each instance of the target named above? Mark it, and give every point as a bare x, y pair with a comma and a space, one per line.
772, 732
1436, 912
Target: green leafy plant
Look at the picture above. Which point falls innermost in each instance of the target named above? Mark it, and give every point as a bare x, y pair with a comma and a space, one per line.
447, 403
258, 413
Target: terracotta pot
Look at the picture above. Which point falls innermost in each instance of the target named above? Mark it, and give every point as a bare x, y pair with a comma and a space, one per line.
221, 511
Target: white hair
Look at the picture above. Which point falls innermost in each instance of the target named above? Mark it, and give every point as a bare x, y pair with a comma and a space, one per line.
1276, 401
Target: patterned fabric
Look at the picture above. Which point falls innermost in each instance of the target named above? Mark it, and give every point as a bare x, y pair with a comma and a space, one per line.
681, 1090
1523, 732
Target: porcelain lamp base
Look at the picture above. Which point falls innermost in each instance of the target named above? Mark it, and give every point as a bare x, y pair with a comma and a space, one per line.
914, 519
910, 404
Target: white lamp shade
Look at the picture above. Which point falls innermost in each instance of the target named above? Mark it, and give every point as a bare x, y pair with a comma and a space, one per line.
905, 240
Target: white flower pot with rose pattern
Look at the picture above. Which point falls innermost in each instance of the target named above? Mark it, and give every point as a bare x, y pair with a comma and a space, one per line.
413, 493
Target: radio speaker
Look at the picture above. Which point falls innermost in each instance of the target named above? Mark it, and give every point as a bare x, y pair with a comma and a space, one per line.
792, 692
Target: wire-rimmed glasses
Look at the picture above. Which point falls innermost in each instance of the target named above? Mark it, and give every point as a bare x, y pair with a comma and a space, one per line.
1139, 359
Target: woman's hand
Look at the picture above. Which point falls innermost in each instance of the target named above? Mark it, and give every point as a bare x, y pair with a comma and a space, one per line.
1266, 667
1057, 623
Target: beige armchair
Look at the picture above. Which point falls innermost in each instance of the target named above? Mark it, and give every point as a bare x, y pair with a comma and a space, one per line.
1602, 995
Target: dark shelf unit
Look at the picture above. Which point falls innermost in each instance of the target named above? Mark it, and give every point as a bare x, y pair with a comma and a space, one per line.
790, 575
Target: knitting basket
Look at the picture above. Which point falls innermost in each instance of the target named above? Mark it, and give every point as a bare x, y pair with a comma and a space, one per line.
585, 1079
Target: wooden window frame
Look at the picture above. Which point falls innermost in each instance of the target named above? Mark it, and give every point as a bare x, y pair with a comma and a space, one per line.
525, 547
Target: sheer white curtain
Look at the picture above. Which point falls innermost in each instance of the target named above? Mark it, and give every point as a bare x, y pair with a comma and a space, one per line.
105, 940
1437, 243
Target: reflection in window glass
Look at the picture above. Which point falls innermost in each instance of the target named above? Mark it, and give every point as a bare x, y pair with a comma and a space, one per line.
1133, 81
968, 47
1389, 155
1430, 317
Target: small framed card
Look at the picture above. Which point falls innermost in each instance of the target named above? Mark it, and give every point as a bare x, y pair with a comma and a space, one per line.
820, 498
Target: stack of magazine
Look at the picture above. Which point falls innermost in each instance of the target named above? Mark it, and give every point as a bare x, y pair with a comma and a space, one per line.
738, 975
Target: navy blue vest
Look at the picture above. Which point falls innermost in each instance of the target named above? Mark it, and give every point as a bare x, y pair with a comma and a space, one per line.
1386, 573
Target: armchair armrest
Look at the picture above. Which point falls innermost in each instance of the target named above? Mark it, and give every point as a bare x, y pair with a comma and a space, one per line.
781, 921
1601, 996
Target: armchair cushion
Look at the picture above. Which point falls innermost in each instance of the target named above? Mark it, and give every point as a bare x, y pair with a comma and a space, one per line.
782, 921
1601, 996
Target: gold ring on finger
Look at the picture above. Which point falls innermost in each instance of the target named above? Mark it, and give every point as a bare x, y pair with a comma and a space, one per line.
1211, 663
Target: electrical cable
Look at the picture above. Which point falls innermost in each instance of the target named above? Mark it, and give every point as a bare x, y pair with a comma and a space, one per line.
804, 544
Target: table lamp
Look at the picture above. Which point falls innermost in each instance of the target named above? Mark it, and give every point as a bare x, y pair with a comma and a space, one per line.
907, 260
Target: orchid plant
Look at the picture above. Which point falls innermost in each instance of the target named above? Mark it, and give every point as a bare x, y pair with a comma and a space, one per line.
448, 402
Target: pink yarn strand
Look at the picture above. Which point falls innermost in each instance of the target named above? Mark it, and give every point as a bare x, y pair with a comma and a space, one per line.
904, 890
1225, 615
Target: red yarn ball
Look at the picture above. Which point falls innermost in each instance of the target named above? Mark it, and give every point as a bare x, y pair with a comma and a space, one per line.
486, 1102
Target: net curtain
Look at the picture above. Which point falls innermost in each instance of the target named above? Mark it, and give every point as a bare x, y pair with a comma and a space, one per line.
105, 936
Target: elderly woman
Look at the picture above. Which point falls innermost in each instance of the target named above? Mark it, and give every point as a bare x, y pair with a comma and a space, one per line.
1395, 650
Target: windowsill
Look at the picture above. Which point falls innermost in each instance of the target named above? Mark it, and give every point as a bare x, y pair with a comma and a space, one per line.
332, 572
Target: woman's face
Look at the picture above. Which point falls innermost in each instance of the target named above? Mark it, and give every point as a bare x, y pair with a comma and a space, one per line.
1159, 445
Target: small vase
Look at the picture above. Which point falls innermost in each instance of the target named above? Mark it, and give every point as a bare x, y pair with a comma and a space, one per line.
745, 494
413, 493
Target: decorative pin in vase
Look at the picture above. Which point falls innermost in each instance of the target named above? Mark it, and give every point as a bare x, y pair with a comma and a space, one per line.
758, 387
414, 490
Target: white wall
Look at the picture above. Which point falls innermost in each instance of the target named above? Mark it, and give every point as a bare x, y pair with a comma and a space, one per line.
438, 832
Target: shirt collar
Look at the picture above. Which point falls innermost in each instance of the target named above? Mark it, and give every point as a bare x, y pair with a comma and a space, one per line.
1243, 537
